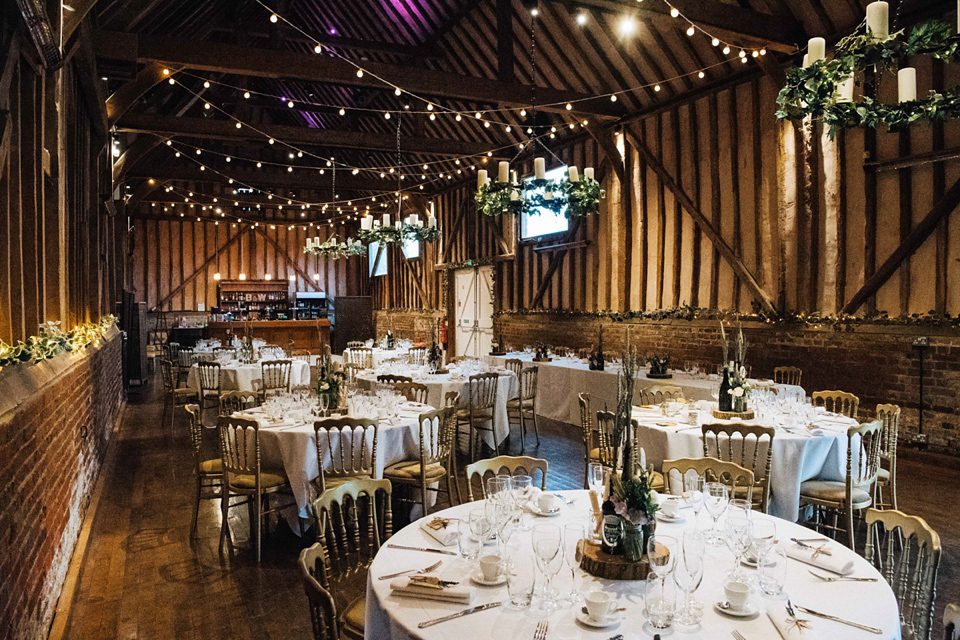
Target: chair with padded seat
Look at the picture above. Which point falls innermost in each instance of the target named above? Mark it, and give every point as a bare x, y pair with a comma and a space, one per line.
736, 478
274, 377
853, 494
787, 375
324, 621
437, 434
525, 404
413, 391
350, 545
208, 470
906, 552
838, 402
750, 446
512, 464
515, 365
244, 476
233, 401
346, 450
174, 396
659, 393
480, 409
886, 488
211, 384
607, 452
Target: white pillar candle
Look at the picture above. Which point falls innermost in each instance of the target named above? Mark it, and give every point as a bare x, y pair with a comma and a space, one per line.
316, 240
386, 219
376, 224
414, 219
309, 243
816, 49
333, 241
878, 20
548, 195
504, 174
366, 222
432, 222
806, 59
574, 174
539, 168
513, 176
588, 172
907, 81
845, 90
481, 178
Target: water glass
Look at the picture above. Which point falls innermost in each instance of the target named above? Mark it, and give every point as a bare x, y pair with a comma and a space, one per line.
764, 536
660, 597
693, 492
481, 526
521, 579
739, 539
772, 571
468, 543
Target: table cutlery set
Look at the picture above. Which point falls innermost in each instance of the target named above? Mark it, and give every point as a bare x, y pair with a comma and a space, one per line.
427, 549
460, 614
432, 567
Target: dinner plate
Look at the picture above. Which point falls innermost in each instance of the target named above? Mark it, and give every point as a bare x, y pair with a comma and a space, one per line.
662, 517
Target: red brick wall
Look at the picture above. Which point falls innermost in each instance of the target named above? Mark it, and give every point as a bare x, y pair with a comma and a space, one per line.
409, 324
878, 364
51, 449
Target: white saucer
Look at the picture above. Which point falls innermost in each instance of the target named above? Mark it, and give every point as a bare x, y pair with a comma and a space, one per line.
662, 517
477, 577
535, 510
609, 621
751, 608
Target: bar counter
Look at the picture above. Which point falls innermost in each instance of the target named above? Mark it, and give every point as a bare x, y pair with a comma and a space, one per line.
305, 334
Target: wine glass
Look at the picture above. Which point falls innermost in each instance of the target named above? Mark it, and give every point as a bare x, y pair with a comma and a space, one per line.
324, 404
480, 526
739, 505
688, 574
522, 492
739, 538
693, 492
573, 540
662, 554
715, 499
547, 545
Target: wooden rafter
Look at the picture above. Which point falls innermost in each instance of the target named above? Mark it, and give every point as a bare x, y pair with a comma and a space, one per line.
268, 63
286, 257
555, 259
199, 270
913, 241
701, 220
131, 91
75, 15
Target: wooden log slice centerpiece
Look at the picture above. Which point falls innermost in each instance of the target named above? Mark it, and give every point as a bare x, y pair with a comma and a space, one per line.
603, 565
733, 415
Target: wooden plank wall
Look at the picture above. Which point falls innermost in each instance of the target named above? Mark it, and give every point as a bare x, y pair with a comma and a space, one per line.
61, 252
762, 184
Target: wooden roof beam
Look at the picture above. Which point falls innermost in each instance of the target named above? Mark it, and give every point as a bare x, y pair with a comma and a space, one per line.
304, 179
268, 63
210, 128
338, 42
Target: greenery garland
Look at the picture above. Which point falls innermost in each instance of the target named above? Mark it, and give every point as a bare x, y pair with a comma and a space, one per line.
52, 340
572, 199
812, 91
421, 234
345, 249
399, 233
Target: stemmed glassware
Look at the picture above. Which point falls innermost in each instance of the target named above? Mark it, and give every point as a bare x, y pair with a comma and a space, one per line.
739, 538
662, 554
693, 492
573, 538
547, 548
716, 499
764, 536
688, 574
522, 488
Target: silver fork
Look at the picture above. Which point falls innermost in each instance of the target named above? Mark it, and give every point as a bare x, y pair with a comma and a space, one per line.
401, 573
841, 578
541, 632
738, 635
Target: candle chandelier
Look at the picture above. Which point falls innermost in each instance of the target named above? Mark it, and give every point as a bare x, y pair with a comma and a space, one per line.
824, 88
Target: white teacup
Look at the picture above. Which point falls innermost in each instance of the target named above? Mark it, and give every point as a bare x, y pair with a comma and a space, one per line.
736, 593
490, 567
670, 507
547, 502
599, 605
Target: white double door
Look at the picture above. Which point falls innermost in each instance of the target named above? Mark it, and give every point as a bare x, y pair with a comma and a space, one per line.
474, 311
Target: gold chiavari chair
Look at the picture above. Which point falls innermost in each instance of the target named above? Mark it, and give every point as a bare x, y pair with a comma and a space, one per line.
234, 401
174, 396
350, 546
838, 402
362, 356
607, 453
951, 622
418, 356
207, 470
413, 391
437, 434
907, 552
350, 370
855, 493
173, 352
355, 344
323, 609
512, 465
515, 365
584, 353
480, 410
525, 403
274, 377
560, 352
787, 375
184, 362
243, 476
346, 450
594, 441
750, 447
389, 378
660, 393
451, 399
301, 354
736, 478
889, 416
208, 373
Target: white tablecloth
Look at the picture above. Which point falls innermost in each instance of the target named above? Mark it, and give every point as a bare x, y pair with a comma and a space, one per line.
562, 379
507, 387
240, 377
796, 457
393, 618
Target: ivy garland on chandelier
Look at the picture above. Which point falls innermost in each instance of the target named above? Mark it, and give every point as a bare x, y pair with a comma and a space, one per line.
332, 249
572, 199
814, 90
397, 234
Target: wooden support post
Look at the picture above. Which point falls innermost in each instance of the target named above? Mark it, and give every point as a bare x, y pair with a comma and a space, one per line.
452, 234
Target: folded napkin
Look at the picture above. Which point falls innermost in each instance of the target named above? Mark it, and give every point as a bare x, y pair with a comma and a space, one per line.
790, 628
405, 587
443, 530
822, 561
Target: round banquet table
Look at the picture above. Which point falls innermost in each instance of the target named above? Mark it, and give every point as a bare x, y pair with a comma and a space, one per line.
439, 385
390, 617
241, 377
798, 455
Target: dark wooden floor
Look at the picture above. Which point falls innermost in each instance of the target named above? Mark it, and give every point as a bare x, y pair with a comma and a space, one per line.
143, 578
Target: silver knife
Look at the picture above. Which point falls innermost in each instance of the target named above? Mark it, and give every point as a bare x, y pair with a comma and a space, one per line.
459, 614
827, 616
400, 546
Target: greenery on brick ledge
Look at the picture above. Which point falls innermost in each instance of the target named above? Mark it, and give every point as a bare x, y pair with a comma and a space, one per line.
789, 318
52, 340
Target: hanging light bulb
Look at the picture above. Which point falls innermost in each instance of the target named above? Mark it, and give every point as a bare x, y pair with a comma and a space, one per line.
726, 50
613, 98
458, 118
715, 42
273, 17
701, 75
343, 111
523, 113
317, 49
674, 13
246, 94
359, 73
691, 30
206, 84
